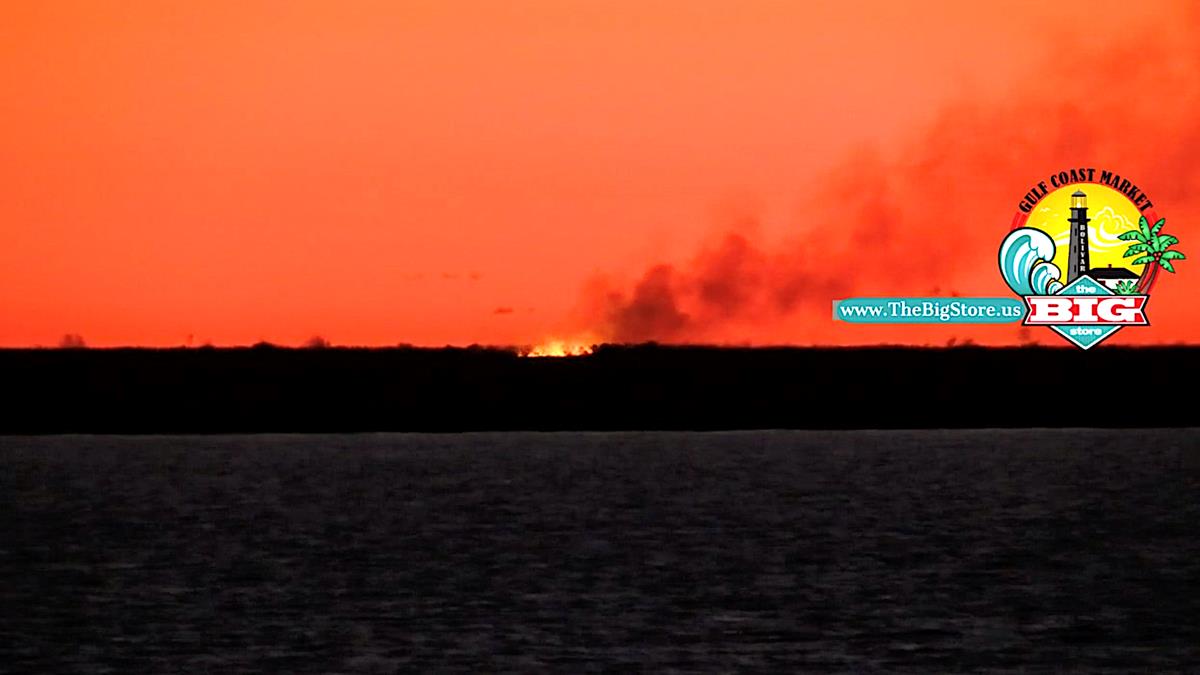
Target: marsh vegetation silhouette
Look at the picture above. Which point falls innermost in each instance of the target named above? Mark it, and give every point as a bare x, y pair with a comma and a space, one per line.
267, 388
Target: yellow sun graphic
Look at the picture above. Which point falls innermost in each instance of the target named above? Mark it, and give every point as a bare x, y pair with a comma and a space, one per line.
1111, 214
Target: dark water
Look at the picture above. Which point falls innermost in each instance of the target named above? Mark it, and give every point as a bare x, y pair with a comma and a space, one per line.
854, 552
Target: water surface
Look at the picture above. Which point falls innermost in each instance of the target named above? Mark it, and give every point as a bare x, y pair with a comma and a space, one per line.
811, 551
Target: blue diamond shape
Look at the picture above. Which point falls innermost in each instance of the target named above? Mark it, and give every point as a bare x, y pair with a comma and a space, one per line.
1084, 286
1085, 337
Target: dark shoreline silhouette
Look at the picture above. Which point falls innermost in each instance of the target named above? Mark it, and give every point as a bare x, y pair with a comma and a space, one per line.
272, 389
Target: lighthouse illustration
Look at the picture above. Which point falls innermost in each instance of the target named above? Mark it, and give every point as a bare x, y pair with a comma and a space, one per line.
1078, 262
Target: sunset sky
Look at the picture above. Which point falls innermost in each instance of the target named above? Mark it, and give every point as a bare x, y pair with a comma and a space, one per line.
501, 172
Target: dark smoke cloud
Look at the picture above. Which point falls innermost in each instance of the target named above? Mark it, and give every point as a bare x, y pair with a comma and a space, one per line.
652, 312
931, 215
731, 280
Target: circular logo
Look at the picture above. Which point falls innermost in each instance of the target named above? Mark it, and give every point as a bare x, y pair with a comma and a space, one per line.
1085, 249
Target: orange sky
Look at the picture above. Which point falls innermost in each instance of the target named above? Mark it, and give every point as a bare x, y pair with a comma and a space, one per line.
496, 172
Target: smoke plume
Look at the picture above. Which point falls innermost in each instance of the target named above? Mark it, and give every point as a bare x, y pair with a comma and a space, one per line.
928, 219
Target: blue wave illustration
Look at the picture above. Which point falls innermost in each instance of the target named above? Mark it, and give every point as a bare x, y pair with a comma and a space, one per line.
1025, 263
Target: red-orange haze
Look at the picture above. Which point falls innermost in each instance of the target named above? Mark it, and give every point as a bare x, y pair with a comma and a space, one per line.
497, 172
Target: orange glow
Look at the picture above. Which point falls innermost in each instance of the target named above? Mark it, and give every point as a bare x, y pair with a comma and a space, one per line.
455, 172
553, 348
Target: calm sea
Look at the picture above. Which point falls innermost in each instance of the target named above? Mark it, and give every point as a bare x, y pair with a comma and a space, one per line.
775, 551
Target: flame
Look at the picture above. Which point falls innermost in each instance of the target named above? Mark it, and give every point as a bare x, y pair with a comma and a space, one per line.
575, 347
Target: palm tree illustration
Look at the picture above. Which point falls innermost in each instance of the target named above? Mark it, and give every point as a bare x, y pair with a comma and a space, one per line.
1153, 249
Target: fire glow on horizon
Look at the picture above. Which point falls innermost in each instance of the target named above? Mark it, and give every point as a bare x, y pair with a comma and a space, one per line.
559, 348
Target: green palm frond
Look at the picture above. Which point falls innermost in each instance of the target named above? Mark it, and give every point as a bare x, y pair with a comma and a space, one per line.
1166, 265
1157, 226
1144, 227
1165, 240
1132, 234
1135, 249
1143, 260
1126, 288
1173, 255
